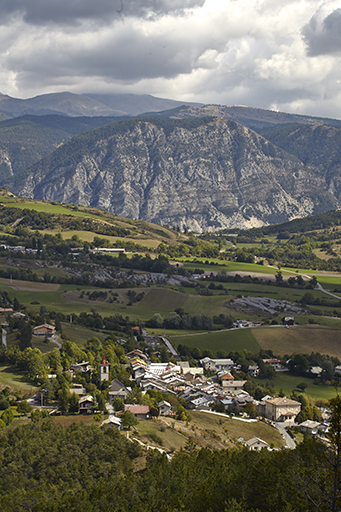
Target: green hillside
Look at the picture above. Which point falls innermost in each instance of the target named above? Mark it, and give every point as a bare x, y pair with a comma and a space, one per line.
71, 220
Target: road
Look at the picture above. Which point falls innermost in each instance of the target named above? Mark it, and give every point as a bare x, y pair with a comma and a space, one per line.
328, 293
319, 286
290, 443
54, 340
170, 347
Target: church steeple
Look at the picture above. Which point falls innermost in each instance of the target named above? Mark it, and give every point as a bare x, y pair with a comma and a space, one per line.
104, 370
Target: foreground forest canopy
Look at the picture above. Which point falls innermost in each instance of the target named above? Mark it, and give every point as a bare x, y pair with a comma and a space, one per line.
80, 467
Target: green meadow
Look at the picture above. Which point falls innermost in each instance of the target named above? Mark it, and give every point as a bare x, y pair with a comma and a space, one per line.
225, 340
52, 208
287, 383
79, 334
15, 379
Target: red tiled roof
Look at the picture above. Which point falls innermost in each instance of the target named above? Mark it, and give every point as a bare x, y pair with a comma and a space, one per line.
227, 376
137, 409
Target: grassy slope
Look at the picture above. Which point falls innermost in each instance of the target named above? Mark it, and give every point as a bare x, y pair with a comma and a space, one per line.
48, 208
88, 236
206, 430
79, 334
15, 380
237, 428
141, 231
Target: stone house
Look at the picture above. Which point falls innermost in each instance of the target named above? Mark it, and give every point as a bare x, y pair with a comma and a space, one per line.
117, 390
282, 409
165, 408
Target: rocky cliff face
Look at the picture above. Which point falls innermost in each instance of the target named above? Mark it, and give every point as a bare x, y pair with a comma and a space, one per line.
204, 174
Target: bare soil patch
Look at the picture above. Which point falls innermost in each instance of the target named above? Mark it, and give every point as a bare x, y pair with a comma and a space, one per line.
29, 286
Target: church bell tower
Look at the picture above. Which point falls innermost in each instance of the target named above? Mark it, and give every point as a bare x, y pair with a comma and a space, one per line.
104, 370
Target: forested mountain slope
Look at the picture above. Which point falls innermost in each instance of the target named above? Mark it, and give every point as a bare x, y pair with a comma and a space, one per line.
204, 173
91, 468
25, 140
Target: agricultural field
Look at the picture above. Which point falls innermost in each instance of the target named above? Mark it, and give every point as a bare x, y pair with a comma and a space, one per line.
225, 340
300, 339
68, 299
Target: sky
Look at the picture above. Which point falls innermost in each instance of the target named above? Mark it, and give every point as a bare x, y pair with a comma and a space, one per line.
275, 54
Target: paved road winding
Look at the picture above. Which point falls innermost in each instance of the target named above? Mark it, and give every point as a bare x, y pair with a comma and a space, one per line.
290, 443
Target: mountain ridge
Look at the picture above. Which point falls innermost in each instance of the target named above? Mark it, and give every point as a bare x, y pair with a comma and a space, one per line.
203, 173
254, 118
198, 166
92, 105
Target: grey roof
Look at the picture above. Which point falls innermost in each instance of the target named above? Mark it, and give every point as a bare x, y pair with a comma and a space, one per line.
116, 385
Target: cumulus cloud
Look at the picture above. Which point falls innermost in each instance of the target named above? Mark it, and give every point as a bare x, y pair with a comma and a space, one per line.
63, 12
263, 53
323, 34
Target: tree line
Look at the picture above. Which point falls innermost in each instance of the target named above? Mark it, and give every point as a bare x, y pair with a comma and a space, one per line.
90, 467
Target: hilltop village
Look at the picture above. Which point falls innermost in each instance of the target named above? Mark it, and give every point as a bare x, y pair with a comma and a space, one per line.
174, 389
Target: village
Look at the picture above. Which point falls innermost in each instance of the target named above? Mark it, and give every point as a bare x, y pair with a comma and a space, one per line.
214, 385
210, 387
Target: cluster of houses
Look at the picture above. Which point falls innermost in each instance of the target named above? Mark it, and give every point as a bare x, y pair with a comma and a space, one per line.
202, 393
189, 383
15, 248
197, 390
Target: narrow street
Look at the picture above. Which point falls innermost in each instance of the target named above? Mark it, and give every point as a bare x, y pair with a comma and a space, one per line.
290, 443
